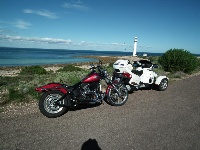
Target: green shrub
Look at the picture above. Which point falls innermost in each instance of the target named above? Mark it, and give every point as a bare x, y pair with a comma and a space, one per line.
154, 59
198, 62
70, 68
110, 65
178, 60
70, 78
30, 70
31, 91
15, 95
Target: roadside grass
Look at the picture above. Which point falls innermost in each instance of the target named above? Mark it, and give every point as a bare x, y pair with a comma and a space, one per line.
21, 88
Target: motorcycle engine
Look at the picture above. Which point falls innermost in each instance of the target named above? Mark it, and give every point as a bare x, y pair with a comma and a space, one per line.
87, 91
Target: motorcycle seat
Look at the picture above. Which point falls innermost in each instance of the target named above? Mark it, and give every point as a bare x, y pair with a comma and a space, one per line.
137, 72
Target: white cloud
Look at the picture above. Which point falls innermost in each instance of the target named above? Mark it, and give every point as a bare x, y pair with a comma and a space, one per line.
118, 44
22, 24
44, 13
35, 39
19, 23
28, 11
61, 43
6, 31
76, 5
144, 47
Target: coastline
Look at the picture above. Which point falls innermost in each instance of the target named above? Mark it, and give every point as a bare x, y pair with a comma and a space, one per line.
12, 71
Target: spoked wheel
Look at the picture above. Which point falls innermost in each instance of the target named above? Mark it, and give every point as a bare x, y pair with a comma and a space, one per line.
48, 107
163, 85
114, 98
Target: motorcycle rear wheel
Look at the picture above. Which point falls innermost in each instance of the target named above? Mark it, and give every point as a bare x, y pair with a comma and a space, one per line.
47, 106
114, 99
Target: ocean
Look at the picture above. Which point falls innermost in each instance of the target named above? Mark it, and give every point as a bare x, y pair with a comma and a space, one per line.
33, 56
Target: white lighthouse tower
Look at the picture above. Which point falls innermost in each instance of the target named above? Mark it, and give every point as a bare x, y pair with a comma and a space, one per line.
135, 47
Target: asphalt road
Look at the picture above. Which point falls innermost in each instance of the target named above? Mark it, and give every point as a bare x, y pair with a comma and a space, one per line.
149, 120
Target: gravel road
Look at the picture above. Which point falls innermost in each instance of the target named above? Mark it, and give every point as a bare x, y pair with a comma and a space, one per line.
149, 120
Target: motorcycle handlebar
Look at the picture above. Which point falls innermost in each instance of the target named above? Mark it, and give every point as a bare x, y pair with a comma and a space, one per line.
96, 67
93, 67
100, 69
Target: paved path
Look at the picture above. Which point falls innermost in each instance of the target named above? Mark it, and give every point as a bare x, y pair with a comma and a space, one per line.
149, 120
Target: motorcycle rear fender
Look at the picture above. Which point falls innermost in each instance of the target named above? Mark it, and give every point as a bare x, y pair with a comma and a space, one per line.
51, 87
159, 79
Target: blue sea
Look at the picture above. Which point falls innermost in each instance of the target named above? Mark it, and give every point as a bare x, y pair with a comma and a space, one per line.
33, 56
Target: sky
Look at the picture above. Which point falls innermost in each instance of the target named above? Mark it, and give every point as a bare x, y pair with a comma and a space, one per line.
106, 25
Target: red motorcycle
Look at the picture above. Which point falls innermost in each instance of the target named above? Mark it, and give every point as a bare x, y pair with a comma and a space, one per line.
58, 98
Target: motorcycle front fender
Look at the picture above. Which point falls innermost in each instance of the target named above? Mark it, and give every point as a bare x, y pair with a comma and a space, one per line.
51, 87
159, 79
108, 88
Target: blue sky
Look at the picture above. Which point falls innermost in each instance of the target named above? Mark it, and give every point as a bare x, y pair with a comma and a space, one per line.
101, 24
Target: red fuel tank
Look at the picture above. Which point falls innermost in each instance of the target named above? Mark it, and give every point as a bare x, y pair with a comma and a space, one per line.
94, 77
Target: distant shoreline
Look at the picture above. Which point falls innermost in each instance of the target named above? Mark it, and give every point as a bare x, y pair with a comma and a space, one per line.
14, 70
19, 57
105, 59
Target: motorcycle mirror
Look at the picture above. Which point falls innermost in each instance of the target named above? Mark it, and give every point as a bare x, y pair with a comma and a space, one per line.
91, 65
136, 65
155, 65
100, 62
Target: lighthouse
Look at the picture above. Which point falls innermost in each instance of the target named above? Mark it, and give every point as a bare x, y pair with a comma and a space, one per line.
135, 47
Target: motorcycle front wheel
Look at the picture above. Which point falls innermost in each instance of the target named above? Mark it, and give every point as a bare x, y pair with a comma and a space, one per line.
114, 98
163, 85
48, 107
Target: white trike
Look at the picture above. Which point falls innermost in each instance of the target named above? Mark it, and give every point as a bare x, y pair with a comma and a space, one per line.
142, 76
